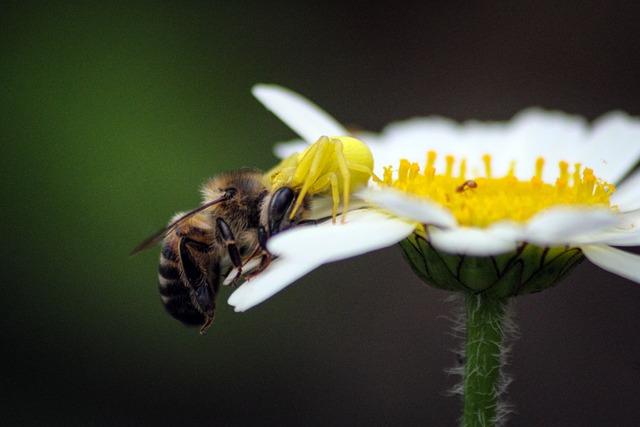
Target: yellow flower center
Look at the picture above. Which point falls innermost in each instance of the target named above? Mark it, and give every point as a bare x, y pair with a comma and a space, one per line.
483, 200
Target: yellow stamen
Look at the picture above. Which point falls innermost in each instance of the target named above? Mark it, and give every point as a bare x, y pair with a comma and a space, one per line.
486, 199
463, 169
487, 165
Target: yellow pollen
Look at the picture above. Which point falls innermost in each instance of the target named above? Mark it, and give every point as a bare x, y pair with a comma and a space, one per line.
483, 200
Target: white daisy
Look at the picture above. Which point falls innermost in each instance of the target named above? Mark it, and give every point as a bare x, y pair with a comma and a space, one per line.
541, 188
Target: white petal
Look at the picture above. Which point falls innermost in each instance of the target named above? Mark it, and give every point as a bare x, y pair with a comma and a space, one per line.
421, 210
613, 239
305, 248
553, 135
497, 239
627, 194
622, 263
364, 231
282, 150
614, 146
629, 220
277, 276
562, 225
412, 139
322, 206
625, 233
301, 115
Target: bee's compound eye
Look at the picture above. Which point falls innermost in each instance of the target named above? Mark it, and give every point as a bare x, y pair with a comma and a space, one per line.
230, 192
280, 203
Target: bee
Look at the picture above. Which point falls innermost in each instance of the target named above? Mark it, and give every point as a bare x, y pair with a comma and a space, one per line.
241, 210
238, 215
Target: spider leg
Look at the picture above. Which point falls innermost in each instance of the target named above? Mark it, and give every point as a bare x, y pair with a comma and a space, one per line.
346, 181
361, 168
310, 169
330, 180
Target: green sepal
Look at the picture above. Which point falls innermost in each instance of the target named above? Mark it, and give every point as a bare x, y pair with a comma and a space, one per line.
527, 269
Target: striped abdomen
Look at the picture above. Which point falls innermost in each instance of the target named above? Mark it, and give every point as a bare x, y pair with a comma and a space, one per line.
188, 274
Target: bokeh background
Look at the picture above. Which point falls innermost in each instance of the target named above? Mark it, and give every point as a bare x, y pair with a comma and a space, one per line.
113, 114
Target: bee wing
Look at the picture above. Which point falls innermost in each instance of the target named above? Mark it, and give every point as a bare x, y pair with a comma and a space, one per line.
156, 237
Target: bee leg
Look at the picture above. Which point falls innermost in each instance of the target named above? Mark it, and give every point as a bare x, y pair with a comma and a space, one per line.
206, 294
230, 243
265, 255
210, 298
207, 302
261, 249
202, 278
263, 236
205, 326
192, 256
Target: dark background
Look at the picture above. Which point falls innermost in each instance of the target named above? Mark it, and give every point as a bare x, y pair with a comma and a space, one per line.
113, 115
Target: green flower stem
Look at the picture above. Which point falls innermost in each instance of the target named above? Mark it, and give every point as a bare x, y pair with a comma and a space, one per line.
488, 283
485, 318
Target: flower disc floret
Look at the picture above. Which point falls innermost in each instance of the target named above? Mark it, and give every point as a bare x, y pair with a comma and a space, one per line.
484, 199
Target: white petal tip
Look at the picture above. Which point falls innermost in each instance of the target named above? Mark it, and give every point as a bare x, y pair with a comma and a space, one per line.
300, 114
616, 261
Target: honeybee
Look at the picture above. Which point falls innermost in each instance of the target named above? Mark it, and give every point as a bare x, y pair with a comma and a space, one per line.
241, 210
238, 215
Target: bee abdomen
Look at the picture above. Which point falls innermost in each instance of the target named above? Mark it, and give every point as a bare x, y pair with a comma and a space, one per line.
175, 295
181, 308
177, 302
168, 254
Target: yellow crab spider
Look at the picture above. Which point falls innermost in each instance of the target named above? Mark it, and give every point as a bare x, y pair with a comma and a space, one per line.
328, 166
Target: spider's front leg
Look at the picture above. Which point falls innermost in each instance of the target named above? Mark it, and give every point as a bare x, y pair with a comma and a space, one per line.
329, 166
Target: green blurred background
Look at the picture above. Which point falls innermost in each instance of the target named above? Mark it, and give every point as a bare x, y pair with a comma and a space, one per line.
112, 116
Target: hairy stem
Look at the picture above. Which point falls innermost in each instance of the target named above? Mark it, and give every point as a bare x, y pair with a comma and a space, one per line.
484, 356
